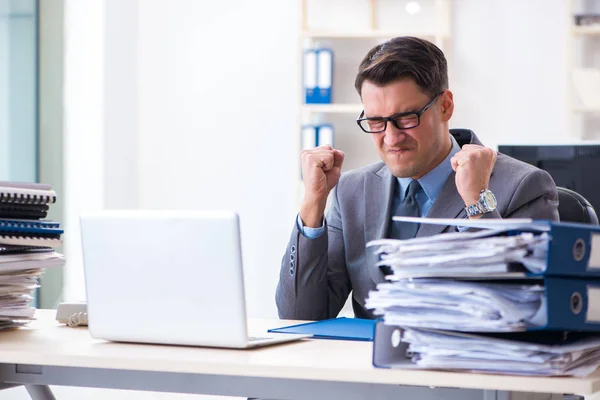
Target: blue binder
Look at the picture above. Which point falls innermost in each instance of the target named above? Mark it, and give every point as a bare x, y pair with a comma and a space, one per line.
324, 75
309, 137
390, 352
318, 76
325, 135
316, 135
572, 305
574, 249
311, 93
336, 328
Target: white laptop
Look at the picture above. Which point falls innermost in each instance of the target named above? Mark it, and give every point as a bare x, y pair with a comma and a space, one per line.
169, 277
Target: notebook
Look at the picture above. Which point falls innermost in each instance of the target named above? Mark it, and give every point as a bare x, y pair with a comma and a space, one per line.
38, 241
336, 328
28, 227
23, 211
26, 194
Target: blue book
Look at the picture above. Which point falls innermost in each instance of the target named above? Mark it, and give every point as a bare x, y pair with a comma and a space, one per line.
336, 328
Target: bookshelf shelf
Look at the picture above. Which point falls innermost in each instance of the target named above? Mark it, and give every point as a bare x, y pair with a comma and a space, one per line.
587, 109
333, 108
370, 34
586, 30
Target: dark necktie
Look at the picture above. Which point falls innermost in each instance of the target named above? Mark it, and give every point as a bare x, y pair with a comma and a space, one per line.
407, 208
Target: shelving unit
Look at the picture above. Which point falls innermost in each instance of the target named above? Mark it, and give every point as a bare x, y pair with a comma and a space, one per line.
583, 45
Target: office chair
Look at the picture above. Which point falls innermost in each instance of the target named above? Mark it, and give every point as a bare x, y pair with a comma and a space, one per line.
573, 207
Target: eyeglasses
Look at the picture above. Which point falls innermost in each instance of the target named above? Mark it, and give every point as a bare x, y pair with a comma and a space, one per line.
406, 120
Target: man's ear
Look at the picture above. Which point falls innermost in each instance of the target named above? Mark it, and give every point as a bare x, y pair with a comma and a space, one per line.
446, 105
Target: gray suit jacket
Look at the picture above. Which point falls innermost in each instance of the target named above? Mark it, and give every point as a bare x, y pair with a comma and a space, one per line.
317, 275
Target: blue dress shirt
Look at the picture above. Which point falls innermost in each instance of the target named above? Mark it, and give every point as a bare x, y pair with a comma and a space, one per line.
432, 184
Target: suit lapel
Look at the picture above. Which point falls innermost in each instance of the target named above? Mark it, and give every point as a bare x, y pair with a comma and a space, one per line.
448, 204
379, 189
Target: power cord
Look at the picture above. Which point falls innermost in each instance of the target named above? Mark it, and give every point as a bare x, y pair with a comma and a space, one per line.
77, 319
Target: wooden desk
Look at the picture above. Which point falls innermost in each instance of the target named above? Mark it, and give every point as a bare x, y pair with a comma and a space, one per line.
47, 353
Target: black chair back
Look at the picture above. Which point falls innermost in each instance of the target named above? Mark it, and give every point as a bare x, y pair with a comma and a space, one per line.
573, 207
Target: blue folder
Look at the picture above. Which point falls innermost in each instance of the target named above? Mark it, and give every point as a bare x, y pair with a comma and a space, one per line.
336, 328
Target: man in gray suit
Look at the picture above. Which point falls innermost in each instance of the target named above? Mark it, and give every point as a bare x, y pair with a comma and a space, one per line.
427, 170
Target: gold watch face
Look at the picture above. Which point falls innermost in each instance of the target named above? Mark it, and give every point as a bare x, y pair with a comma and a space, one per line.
489, 200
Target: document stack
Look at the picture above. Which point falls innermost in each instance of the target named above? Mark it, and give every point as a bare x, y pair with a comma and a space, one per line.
27, 245
517, 297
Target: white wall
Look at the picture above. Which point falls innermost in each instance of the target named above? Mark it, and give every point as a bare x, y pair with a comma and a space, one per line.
217, 111
509, 73
83, 145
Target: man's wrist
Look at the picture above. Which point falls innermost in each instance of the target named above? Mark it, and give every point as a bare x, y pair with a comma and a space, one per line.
312, 214
485, 203
472, 198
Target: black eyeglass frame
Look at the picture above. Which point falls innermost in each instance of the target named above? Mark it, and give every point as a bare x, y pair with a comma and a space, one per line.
393, 118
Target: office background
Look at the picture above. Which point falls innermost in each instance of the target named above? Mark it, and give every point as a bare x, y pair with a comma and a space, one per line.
189, 104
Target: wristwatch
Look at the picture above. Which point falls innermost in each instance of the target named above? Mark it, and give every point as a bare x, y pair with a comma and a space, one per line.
487, 203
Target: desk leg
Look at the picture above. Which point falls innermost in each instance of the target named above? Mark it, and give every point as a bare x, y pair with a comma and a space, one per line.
40, 392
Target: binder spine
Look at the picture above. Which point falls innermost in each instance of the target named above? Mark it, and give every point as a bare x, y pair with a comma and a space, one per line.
571, 252
568, 304
325, 135
324, 75
310, 77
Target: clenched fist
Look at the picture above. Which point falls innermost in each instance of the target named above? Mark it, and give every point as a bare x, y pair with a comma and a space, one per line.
473, 165
321, 170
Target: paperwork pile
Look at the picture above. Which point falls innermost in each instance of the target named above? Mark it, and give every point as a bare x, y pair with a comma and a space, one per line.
524, 353
460, 305
26, 247
463, 300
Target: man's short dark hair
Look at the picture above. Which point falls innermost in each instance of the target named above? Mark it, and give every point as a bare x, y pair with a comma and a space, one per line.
405, 57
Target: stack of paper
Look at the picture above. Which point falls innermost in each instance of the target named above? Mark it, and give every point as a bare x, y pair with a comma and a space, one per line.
26, 247
459, 305
442, 286
463, 254
525, 353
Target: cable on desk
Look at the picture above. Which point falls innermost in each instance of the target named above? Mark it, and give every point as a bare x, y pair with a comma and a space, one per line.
78, 319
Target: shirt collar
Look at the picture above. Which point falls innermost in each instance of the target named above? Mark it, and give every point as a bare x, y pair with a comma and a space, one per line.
433, 182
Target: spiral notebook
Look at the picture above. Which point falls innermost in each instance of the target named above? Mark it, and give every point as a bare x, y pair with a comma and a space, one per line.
23, 211
26, 194
37, 241
28, 227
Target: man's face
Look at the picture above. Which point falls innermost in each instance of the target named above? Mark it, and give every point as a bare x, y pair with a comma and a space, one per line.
409, 152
